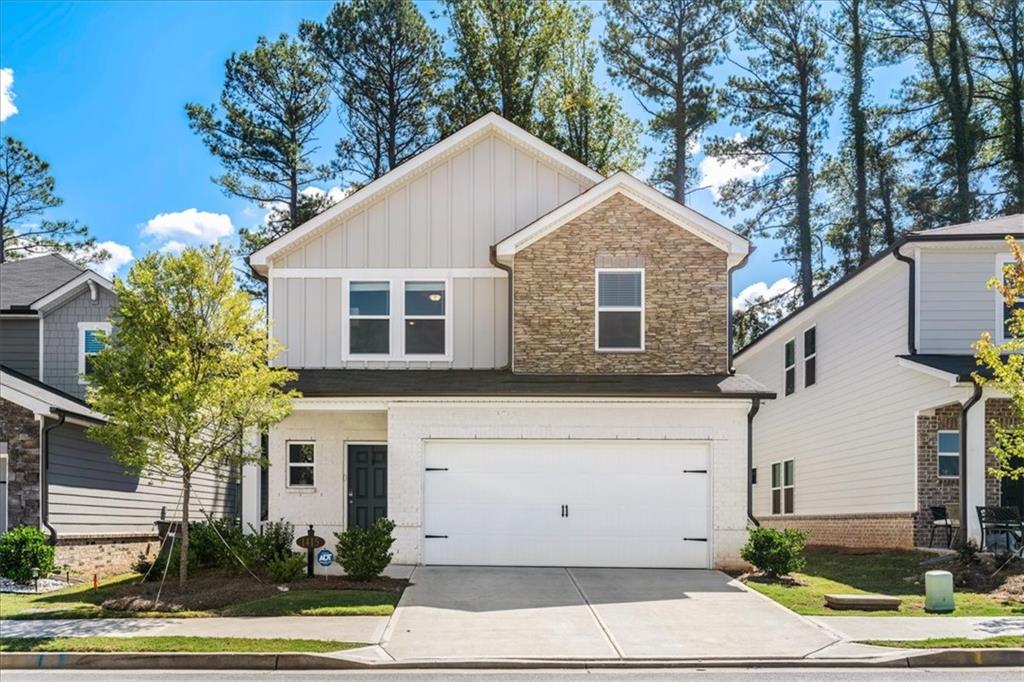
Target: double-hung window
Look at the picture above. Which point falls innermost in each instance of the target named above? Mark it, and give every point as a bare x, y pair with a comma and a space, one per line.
620, 310
301, 456
1006, 264
369, 318
425, 321
782, 487
948, 447
790, 359
90, 342
810, 356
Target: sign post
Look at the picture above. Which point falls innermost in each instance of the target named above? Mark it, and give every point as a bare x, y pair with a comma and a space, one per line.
309, 542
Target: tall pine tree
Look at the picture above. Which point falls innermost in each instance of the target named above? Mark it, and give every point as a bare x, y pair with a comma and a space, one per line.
661, 51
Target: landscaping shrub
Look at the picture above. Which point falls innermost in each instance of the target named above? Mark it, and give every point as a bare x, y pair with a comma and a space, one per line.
272, 542
21, 550
288, 569
364, 553
775, 552
207, 549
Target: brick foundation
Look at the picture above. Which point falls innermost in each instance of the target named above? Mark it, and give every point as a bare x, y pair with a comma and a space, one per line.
19, 429
103, 556
863, 531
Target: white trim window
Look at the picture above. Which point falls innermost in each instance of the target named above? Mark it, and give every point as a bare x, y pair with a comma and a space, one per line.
789, 373
810, 356
619, 314
301, 464
783, 484
425, 327
89, 344
369, 319
1004, 313
947, 447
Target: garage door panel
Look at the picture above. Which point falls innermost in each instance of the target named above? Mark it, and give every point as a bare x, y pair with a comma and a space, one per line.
630, 503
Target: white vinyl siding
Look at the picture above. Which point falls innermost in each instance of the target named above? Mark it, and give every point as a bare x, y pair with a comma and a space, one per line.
955, 303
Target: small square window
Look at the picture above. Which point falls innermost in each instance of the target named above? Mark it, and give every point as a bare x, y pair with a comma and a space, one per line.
301, 464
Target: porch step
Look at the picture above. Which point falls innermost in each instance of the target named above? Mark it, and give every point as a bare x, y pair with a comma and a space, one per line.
862, 602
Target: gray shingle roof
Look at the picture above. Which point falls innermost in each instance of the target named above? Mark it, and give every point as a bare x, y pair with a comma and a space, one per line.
25, 281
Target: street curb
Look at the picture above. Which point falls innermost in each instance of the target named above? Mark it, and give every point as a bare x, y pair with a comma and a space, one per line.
952, 658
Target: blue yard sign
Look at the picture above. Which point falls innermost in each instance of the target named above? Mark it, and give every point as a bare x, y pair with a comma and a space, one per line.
325, 557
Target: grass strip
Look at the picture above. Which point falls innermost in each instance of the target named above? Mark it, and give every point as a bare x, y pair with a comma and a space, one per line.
171, 644
1000, 642
319, 603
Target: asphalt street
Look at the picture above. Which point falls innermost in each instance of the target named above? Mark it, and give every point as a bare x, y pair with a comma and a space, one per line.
772, 675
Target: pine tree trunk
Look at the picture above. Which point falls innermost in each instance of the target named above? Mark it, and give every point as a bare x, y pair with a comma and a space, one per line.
859, 136
186, 494
803, 194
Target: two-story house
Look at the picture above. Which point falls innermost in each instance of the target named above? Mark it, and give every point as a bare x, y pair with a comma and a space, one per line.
878, 418
517, 360
51, 475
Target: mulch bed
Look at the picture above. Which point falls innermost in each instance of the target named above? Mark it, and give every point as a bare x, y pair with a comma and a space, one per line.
1007, 585
211, 590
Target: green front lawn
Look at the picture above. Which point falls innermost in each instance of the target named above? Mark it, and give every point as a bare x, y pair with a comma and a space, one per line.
77, 601
319, 603
890, 573
1001, 642
169, 644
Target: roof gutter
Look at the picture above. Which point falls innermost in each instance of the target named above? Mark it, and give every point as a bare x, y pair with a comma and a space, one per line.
964, 409
44, 478
912, 296
508, 269
754, 407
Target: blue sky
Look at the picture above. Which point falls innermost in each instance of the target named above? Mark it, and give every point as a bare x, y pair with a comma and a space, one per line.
100, 90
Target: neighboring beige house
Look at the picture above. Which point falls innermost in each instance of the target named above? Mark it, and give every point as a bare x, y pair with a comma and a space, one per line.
873, 381
517, 360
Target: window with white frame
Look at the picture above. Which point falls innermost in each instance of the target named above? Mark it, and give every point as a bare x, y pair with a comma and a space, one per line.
1006, 264
810, 356
301, 464
948, 447
425, 318
620, 309
369, 318
790, 367
90, 342
782, 487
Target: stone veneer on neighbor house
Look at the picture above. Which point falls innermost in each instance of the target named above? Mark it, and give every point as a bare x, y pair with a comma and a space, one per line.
19, 429
686, 282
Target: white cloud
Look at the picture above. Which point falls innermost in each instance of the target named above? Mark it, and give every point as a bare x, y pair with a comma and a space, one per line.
761, 290
335, 194
186, 228
120, 255
716, 171
7, 108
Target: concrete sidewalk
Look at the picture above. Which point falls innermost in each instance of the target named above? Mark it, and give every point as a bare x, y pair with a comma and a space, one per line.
861, 628
364, 629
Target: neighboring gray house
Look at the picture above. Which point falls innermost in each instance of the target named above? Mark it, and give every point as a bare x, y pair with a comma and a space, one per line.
50, 312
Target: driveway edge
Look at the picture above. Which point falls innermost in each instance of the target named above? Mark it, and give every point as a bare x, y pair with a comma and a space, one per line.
952, 658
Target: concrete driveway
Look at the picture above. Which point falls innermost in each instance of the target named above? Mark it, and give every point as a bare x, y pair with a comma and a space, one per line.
591, 613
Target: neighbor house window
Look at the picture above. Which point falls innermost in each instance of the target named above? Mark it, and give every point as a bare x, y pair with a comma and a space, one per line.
425, 306
369, 318
89, 344
810, 356
1005, 263
620, 310
949, 454
782, 487
790, 359
301, 457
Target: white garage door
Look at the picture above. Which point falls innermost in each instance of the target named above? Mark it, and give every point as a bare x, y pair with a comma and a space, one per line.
567, 503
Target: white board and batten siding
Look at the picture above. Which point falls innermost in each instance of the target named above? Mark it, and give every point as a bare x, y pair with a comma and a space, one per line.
443, 219
955, 303
852, 434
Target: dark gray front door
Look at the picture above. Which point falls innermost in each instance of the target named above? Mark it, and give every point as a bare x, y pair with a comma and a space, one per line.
367, 484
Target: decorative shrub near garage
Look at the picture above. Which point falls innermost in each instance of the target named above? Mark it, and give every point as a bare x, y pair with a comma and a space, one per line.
364, 553
775, 552
23, 549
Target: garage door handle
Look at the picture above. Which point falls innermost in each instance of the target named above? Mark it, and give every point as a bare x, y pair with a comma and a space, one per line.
565, 511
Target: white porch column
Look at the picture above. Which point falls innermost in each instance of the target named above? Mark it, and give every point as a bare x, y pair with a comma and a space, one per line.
251, 485
976, 470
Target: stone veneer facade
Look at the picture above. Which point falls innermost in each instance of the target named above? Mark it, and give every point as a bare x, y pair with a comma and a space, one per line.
861, 531
686, 295
19, 429
102, 555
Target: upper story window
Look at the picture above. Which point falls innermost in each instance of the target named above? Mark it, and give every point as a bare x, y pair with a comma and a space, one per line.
620, 309
948, 448
301, 464
89, 344
790, 367
425, 320
1003, 322
369, 318
810, 356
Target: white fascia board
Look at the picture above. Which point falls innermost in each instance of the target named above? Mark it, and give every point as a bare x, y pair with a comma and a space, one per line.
623, 183
260, 259
948, 377
39, 400
60, 292
382, 404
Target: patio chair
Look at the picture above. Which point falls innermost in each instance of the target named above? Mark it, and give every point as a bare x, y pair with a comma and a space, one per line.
1003, 521
942, 519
